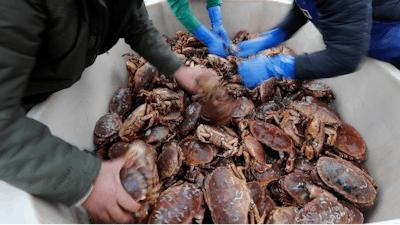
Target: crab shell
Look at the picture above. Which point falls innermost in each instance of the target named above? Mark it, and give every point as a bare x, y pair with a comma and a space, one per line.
156, 135
269, 176
227, 197
318, 90
145, 77
295, 185
190, 118
272, 136
197, 153
264, 203
118, 149
179, 205
267, 89
355, 216
322, 210
108, 125
316, 111
350, 144
303, 164
245, 108
282, 215
121, 102
346, 179
271, 106
169, 161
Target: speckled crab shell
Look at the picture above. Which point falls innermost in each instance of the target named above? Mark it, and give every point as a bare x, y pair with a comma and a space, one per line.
350, 143
346, 179
179, 205
295, 185
170, 160
282, 215
227, 197
197, 153
121, 102
190, 117
108, 125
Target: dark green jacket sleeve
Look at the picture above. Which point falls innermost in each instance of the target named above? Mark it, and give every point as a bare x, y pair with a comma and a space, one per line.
144, 38
31, 158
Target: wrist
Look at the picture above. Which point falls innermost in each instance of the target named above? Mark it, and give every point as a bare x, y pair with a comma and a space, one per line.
83, 199
215, 16
204, 34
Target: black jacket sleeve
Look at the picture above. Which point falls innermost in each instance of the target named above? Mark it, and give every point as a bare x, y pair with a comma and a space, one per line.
346, 29
294, 20
31, 158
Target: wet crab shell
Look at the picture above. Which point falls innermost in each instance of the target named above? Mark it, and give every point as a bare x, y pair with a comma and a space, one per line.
156, 135
318, 90
197, 153
350, 143
282, 215
179, 205
355, 216
346, 179
121, 102
271, 136
145, 77
295, 185
322, 211
190, 118
267, 89
169, 161
108, 125
269, 176
245, 107
227, 197
118, 149
271, 106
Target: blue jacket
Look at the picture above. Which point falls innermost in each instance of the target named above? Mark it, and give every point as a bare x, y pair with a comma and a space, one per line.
346, 28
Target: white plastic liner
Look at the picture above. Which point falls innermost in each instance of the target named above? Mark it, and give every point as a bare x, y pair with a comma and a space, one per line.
367, 99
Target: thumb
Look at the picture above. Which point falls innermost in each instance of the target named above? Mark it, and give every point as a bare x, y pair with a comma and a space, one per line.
126, 201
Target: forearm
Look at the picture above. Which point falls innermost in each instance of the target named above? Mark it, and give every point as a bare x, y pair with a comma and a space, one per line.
34, 160
144, 38
293, 21
182, 12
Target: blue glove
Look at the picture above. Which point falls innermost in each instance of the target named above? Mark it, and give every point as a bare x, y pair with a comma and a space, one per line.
216, 23
215, 45
269, 39
259, 68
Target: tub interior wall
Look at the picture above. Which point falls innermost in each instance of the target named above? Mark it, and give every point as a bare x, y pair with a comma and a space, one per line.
366, 99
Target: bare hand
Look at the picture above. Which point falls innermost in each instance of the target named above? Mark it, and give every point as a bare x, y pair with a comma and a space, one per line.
109, 202
186, 78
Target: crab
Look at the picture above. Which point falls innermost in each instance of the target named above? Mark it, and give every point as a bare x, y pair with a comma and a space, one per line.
282, 215
268, 89
311, 99
162, 99
121, 103
136, 121
346, 179
240, 36
144, 78
289, 84
179, 204
190, 118
318, 90
279, 194
139, 176
303, 164
319, 120
268, 177
196, 153
162, 81
245, 110
269, 111
295, 185
355, 216
349, 144
216, 104
228, 197
324, 208
254, 156
222, 137
169, 162
222, 66
264, 203
118, 149
158, 135
171, 120
106, 128
273, 137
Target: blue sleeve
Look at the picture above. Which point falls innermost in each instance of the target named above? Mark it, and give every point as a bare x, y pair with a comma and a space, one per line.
346, 29
293, 21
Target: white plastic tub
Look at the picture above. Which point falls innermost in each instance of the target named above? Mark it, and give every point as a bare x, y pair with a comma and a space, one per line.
367, 99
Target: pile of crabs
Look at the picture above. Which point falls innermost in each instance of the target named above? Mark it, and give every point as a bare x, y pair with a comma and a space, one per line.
278, 153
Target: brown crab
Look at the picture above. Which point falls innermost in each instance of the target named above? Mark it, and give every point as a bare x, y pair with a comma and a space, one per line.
169, 162
273, 137
228, 197
216, 104
106, 128
349, 144
295, 185
139, 176
197, 153
282, 215
144, 78
245, 110
158, 135
240, 36
121, 102
118, 149
324, 208
132, 126
318, 90
269, 111
179, 204
190, 118
264, 203
222, 137
172, 120
162, 99
346, 179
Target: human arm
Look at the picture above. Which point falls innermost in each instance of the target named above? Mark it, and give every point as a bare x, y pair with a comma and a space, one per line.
182, 12
282, 32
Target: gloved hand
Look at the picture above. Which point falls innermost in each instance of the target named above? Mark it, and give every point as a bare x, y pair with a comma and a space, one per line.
269, 39
215, 45
216, 23
255, 70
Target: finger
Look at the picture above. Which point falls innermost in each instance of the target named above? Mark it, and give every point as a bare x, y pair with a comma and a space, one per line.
119, 215
104, 217
126, 201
